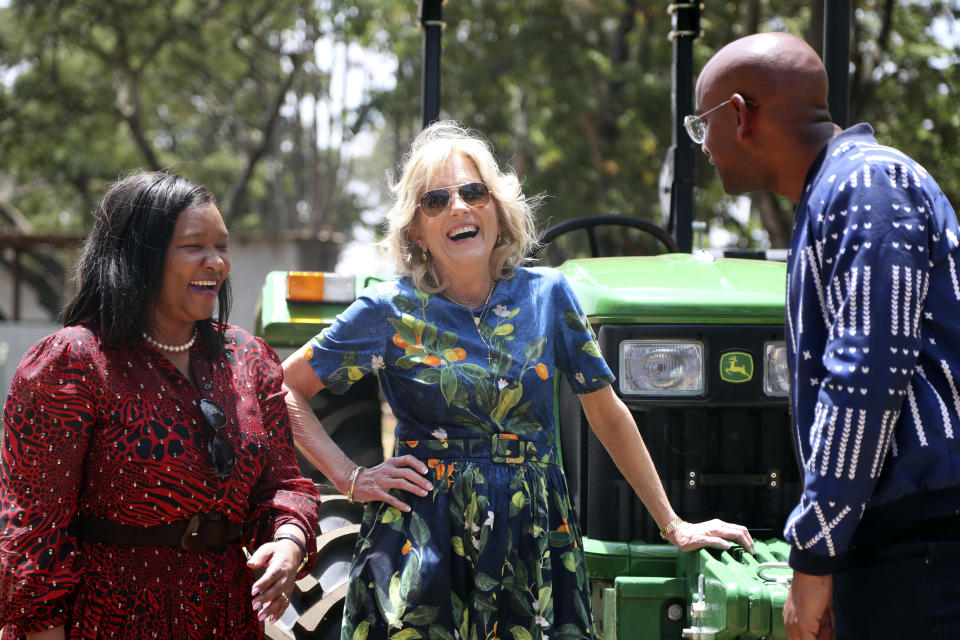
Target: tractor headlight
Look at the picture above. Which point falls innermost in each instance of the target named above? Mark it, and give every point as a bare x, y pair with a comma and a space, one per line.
776, 376
654, 367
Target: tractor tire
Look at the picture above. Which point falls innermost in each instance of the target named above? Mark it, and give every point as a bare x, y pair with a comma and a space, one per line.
353, 422
316, 605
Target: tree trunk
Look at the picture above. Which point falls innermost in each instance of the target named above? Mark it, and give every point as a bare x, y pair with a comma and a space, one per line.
751, 18
235, 200
777, 221
814, 34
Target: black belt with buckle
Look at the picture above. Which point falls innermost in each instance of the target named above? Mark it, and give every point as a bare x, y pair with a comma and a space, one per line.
205, 532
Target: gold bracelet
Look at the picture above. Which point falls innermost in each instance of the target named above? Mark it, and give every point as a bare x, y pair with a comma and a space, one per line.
353, 481
672, 526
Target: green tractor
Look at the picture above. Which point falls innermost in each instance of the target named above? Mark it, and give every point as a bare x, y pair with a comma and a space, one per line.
696, 341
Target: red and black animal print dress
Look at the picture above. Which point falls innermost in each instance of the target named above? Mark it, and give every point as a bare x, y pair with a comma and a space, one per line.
117, 434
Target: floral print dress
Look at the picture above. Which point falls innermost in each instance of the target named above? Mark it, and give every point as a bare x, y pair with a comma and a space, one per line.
494, 550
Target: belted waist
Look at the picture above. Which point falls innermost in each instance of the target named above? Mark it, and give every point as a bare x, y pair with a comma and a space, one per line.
504, 448
205, 532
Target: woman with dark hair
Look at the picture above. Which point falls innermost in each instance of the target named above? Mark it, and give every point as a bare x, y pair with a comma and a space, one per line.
147, 444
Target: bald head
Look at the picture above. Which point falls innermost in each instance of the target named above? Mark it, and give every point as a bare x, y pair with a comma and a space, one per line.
777, 119
775, 69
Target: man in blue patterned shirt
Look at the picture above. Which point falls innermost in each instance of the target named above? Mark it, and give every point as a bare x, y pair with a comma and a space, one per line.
872, 323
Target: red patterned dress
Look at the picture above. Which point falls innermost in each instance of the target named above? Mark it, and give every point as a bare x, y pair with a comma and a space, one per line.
117, 434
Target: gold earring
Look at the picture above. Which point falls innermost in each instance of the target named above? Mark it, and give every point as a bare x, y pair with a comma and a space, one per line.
424, 254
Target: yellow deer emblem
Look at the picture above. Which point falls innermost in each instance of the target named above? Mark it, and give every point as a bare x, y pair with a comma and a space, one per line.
736, 367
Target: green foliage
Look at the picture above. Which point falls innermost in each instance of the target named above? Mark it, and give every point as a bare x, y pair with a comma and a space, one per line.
211, 89
906, 85
575, 95
903, 82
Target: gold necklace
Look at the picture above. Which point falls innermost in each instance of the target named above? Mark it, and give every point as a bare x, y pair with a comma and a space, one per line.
478, 319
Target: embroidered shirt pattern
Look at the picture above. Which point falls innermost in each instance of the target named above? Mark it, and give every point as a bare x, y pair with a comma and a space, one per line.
873, 308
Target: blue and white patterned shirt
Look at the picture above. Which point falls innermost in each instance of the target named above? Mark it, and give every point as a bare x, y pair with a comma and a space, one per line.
873, 335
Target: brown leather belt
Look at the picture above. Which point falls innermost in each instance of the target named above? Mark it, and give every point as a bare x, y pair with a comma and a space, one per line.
208, 532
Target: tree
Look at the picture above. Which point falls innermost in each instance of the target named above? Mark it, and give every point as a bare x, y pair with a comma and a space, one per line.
576, 95
209, 87
904, 74
213, 89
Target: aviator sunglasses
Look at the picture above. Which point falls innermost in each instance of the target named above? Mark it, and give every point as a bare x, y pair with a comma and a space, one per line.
222, 455
436, 201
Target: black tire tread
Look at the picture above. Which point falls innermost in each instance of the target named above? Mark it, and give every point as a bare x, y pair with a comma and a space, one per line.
314, 612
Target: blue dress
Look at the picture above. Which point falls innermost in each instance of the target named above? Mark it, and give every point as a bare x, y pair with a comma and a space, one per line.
494, 550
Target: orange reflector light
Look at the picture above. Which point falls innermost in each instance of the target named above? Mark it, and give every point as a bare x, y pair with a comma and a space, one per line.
314, 286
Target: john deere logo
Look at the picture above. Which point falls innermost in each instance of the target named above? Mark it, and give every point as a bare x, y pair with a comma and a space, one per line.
736, 366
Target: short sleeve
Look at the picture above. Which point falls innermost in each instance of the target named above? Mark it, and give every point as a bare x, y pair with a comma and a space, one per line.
353, 346
577, 352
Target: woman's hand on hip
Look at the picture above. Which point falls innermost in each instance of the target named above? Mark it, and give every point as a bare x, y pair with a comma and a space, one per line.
406, 473
271, 591
717, 534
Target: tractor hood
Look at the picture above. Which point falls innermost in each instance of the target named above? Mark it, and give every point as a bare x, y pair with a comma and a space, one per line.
679, 288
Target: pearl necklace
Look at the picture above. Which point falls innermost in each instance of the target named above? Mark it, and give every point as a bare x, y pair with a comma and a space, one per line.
173, 348
478, 319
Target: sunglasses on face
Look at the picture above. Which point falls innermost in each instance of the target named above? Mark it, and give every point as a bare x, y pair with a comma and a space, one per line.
436, 201
222, 455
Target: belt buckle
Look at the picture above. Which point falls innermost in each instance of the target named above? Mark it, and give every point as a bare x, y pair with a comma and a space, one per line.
508, 448
195, 538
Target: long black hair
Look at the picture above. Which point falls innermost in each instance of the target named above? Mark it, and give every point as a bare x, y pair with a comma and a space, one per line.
120, 271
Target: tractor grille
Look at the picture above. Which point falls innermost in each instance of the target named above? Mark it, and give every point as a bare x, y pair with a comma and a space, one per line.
727, 454
733, 464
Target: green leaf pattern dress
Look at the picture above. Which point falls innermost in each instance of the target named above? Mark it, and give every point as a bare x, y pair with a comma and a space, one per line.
494, 550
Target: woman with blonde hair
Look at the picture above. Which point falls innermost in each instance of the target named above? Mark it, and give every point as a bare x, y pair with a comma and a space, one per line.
469, 530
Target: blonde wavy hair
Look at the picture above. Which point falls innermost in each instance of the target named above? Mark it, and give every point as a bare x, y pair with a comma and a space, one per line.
427, 154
